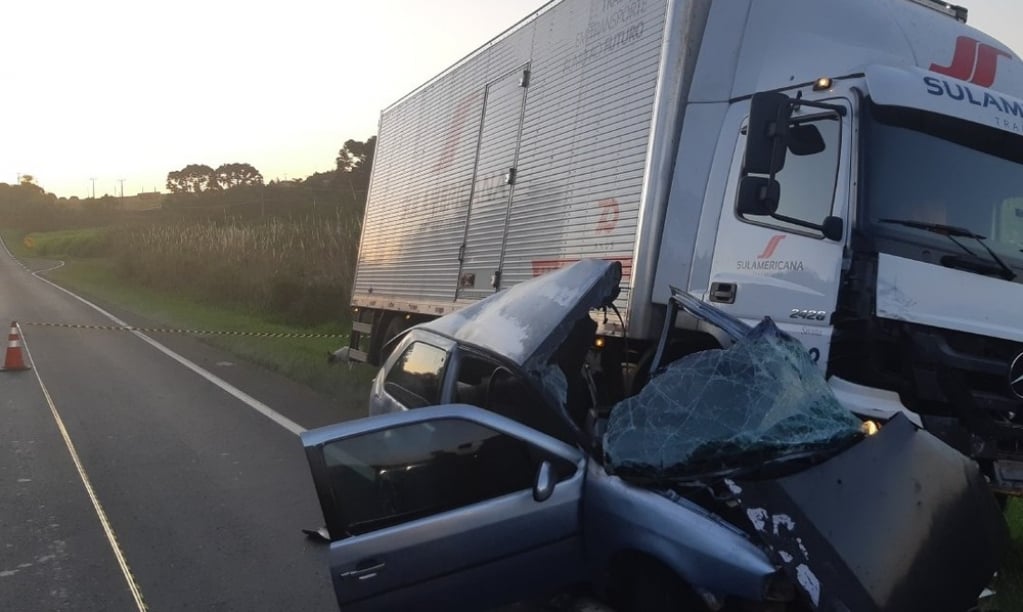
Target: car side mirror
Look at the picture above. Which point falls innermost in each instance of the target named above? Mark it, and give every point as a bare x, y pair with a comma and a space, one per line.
758, 196
543, 488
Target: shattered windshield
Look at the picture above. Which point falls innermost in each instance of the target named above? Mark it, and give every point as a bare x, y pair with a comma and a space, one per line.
720, 410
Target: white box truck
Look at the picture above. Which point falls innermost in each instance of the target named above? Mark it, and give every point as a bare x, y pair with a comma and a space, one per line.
852, 169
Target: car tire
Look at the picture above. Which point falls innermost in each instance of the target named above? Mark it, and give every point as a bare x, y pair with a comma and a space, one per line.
655, 588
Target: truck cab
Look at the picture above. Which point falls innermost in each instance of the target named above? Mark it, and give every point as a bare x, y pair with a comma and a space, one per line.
892, 246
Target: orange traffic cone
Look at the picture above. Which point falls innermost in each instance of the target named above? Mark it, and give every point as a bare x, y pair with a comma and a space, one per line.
14, 360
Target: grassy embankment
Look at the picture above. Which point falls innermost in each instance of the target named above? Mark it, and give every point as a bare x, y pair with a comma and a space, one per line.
278, 275
1009, 584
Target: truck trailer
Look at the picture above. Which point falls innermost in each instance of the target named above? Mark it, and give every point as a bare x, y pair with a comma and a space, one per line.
851, 169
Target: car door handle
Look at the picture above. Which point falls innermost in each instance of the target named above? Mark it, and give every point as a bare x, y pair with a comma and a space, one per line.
364, 573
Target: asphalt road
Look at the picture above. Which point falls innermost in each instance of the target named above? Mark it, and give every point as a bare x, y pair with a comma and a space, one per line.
197, 499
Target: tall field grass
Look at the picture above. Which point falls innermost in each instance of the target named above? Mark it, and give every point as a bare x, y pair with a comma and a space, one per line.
299, 269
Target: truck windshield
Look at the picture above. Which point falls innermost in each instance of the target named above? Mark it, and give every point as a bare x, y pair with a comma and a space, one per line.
926, 171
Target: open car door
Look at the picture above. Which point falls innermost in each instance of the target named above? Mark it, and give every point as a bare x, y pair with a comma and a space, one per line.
446, 508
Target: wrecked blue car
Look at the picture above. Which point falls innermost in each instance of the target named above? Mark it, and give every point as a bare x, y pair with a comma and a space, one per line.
733, 480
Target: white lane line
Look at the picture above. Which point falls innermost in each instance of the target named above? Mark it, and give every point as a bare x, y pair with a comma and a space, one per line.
59, 264
227, 387
133, 586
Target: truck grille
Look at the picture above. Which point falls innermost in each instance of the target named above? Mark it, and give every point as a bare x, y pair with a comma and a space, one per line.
967, 375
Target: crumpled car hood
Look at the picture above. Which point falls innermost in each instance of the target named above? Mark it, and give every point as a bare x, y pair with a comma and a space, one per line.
720, 410
894, 522
900, 522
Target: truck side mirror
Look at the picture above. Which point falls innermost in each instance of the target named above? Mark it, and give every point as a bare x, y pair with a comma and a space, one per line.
767, 133
758, 196
805, 140
833, 228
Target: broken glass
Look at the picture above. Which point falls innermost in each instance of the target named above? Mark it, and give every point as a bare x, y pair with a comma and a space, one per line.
552, 380
720, 410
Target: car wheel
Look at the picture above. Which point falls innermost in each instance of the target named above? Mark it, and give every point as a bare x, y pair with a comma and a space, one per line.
655, 588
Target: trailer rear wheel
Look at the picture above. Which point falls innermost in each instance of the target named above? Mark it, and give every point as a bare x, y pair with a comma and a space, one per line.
396, 323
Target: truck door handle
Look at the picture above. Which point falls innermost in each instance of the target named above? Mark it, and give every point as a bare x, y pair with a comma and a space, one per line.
723, 293
364, 573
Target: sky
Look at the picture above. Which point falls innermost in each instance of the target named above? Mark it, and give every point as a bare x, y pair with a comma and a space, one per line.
129, 90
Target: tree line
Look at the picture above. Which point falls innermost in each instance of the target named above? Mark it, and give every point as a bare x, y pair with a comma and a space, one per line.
351, 169
236, 189
196, 178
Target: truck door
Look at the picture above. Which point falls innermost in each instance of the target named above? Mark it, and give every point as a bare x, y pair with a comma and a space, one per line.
479, 271
763, 266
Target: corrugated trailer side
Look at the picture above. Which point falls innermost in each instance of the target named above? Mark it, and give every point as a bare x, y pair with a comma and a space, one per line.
584, 142
526, 155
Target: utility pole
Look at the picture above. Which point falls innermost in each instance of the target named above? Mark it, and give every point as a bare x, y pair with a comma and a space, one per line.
93, 179
122, 190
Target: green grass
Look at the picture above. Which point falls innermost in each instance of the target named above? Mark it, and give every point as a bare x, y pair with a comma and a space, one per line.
300, 359
1009, 584
13, 240
88, 242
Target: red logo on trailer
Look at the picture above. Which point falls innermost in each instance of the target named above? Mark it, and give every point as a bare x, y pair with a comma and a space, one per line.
609, 213
973, 61
772, 245
543, 266
454, 133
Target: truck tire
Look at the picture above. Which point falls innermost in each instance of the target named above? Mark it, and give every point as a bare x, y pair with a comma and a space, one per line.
396, 324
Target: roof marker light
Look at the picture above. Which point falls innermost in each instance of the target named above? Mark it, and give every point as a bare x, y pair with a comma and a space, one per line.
822, 84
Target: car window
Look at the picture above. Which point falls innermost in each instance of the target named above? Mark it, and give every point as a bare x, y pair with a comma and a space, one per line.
388, 477
485, 383
415, 379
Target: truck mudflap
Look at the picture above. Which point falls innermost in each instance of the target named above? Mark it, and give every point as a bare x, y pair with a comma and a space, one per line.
898, 522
